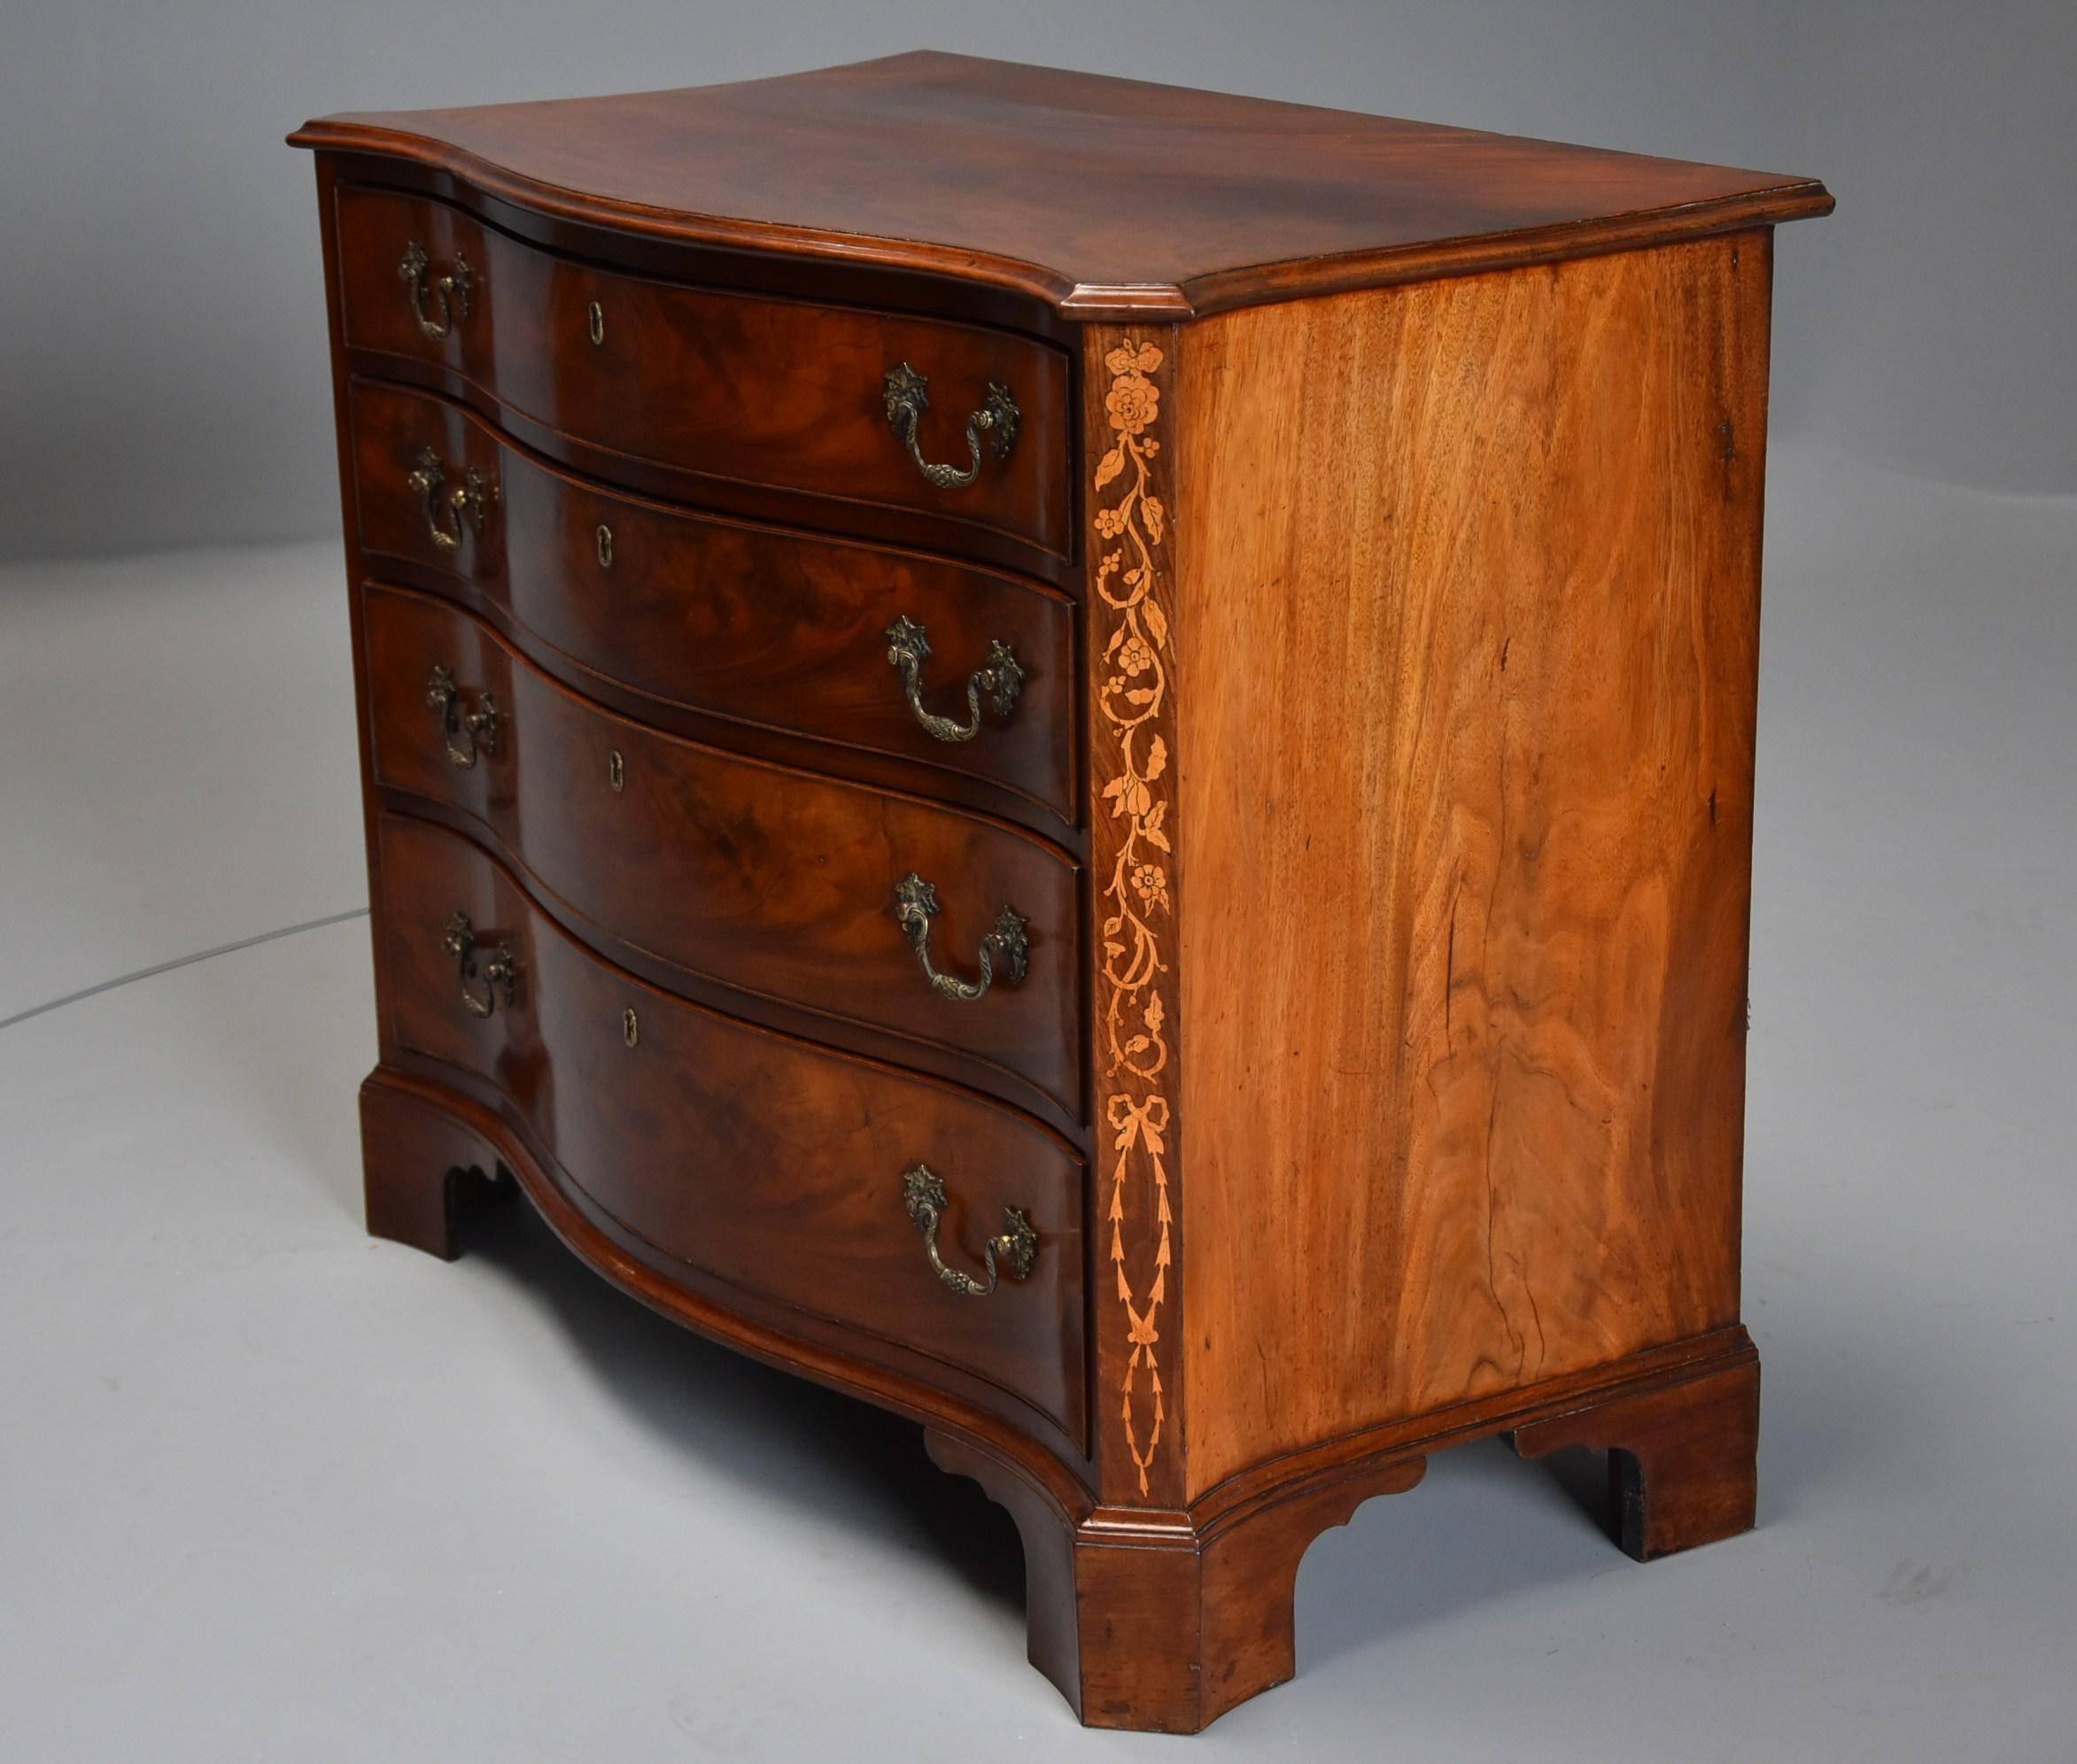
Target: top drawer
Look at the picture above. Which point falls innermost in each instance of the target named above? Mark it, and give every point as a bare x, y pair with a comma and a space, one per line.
731, 386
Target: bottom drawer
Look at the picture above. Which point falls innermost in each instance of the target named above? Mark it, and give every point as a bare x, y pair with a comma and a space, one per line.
777, 1166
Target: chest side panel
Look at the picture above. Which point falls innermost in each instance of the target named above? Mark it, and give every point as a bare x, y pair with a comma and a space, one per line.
1467, 652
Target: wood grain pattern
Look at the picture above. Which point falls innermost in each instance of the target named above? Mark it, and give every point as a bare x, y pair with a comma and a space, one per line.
776, 882
730, 386
986, 171
1132, 845
1469, 636
747, 1155
759, 625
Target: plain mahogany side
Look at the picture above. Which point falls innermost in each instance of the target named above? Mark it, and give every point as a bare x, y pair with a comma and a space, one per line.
746, 1155
729, 386
776, 882
1510, 712
755, 625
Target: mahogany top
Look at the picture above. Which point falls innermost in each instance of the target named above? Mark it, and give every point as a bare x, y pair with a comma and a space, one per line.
1105, 197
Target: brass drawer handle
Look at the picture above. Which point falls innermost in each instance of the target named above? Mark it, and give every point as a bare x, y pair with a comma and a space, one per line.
915, 904
467, 733
999, 682
923, 1192
451, 513
450, 291
908, 396
500, 973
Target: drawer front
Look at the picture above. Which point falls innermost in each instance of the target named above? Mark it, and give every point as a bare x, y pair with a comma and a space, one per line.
731, 386
780, 882
752, 1156
752, 623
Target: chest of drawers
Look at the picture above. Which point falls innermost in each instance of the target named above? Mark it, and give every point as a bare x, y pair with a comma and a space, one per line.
1078, 756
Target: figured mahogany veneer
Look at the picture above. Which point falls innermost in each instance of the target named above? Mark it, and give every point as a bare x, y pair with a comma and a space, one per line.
1379, 555
755, 625
722, 384
746, 1155
776, 882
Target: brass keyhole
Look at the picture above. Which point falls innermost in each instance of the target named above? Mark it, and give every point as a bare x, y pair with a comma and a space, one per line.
616, 769
604, 547
598, 322
630, 1027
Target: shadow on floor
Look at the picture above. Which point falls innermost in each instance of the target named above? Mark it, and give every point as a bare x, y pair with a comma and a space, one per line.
788, 1437
1482, 1526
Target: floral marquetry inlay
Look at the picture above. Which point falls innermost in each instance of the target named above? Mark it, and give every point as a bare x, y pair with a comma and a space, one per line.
1134, 863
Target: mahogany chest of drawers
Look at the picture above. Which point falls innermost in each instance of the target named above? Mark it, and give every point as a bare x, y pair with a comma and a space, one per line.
1078, 756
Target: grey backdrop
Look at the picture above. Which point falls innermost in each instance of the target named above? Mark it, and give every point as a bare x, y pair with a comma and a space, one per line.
162, 366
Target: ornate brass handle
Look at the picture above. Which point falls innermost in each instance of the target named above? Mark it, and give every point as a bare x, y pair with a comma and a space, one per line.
923, 1192
908, 396
915, 904
450, 291
468, 732
500, 973
999, 682
451, 513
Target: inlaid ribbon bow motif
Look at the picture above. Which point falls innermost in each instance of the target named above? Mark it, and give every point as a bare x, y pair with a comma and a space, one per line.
1132, 698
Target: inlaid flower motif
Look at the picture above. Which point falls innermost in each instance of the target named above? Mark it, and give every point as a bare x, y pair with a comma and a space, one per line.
1132, 701
1131, 795
1134, 401
1133, 358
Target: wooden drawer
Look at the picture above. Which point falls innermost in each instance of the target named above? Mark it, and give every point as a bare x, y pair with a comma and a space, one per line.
731, 386
754, 1157
780, 882
752, 623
